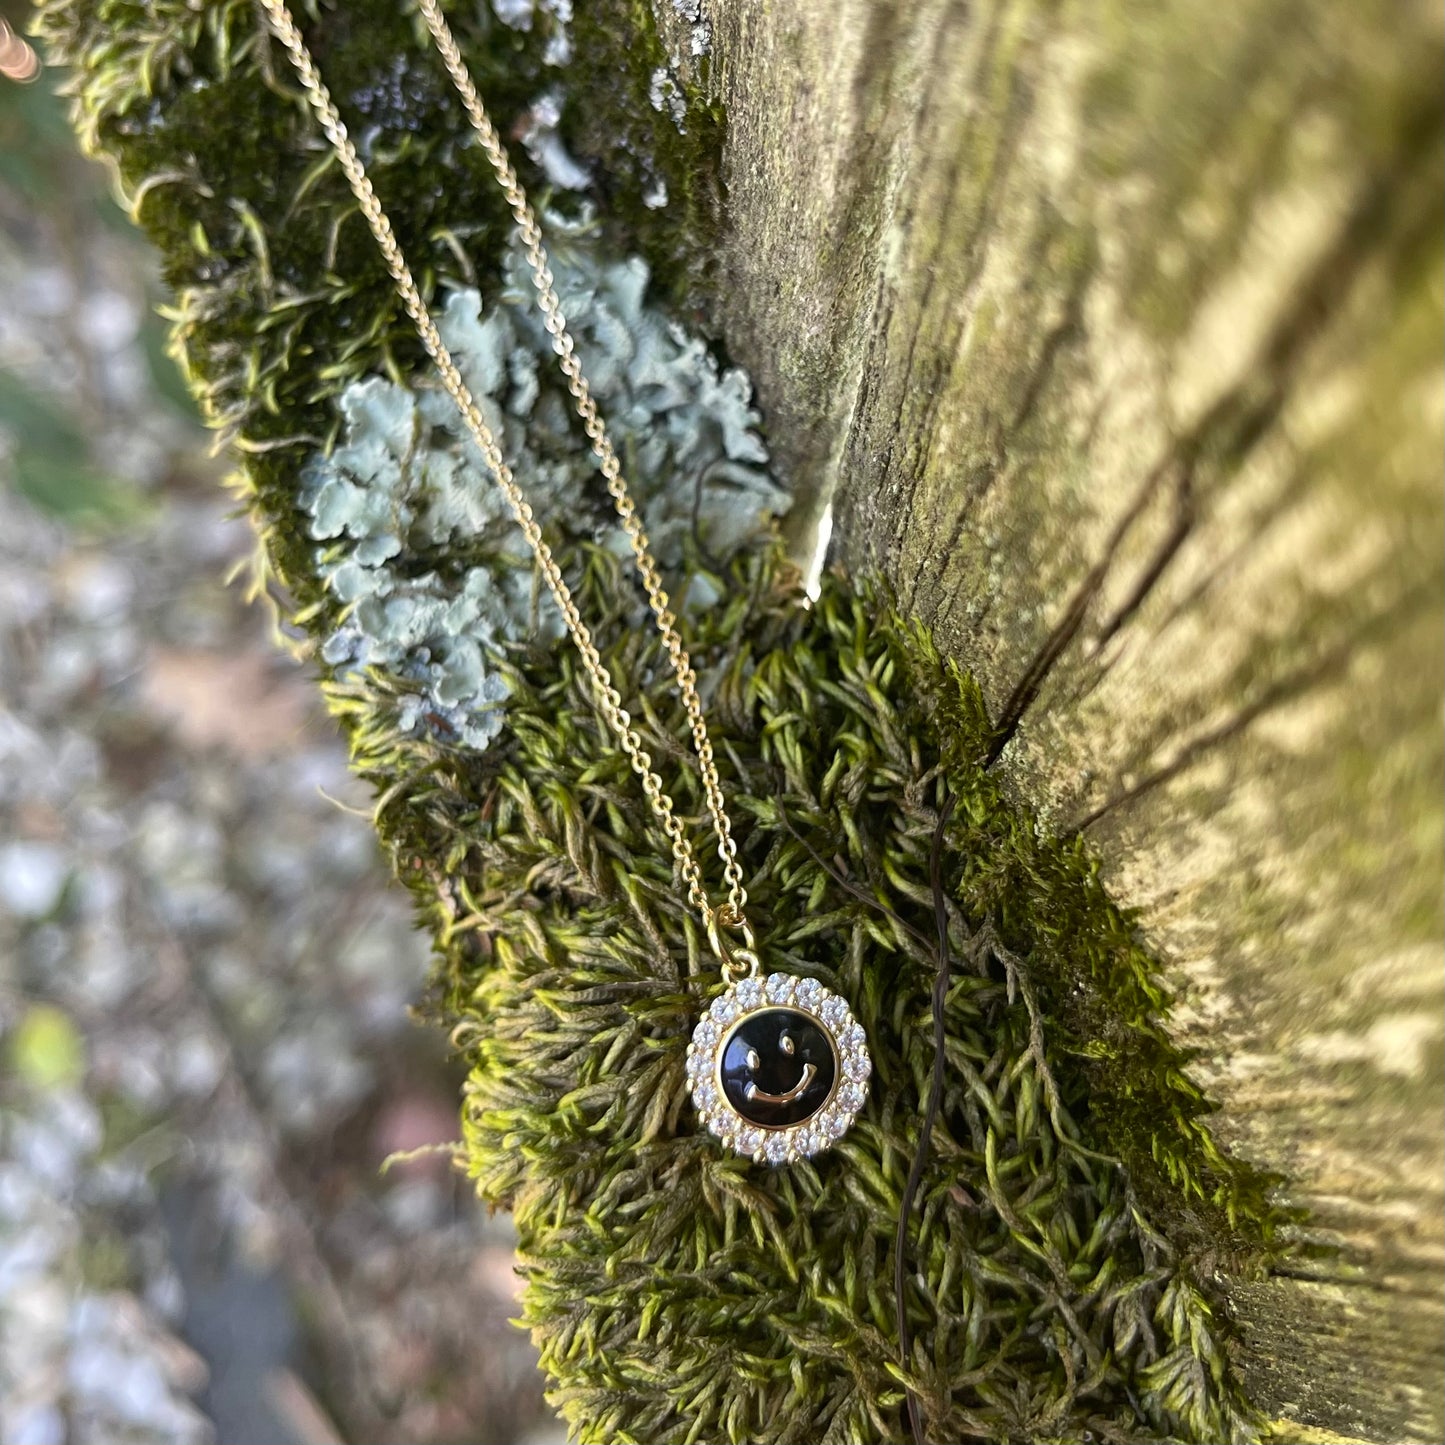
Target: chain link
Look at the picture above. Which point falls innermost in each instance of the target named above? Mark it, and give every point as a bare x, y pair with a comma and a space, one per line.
731, 914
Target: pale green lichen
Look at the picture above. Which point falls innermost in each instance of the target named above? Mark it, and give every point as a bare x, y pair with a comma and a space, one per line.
418, 543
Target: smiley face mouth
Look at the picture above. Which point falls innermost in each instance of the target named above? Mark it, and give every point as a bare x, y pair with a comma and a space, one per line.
761, 1095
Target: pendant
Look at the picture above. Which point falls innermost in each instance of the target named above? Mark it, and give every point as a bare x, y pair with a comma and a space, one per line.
778, 1068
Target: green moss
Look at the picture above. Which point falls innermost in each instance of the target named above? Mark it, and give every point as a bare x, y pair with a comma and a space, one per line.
632, 142
280, 295
1074, 1204
1074, 1208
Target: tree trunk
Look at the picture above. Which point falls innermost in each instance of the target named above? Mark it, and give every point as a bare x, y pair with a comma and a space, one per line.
1109, 336
1112, 337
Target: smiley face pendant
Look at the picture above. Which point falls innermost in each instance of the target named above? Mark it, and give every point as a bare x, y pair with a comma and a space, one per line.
778, 1068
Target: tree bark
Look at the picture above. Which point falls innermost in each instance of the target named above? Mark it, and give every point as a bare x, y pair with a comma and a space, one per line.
1111, 335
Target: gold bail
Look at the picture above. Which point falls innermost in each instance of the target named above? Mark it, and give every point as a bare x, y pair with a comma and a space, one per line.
736, 962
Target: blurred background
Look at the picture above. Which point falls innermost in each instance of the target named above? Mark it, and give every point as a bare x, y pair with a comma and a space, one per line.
206, 1052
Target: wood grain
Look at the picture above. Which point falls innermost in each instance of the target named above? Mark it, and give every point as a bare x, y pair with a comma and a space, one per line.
1111, 334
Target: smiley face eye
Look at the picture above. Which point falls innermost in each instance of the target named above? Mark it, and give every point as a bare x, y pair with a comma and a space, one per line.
753, 1060
786, 1043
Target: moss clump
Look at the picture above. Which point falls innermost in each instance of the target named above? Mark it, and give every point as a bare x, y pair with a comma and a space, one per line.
1073, 1204
637, 143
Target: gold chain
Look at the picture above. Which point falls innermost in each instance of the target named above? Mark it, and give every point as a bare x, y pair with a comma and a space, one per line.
609, 700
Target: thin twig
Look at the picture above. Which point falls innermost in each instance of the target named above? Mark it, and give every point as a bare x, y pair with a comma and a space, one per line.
930, 1110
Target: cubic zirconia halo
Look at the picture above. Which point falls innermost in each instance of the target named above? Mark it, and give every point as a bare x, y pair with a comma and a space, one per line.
778, 1068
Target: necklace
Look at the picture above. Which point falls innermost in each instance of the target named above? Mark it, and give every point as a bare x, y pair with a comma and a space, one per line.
778, 1066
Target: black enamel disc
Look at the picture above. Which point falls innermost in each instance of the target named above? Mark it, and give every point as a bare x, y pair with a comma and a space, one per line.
777, 1067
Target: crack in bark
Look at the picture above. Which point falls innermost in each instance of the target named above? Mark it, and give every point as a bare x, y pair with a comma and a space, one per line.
1067, 328
1184, 518
1235, 422
1281, 690
871, 207
1154, 570
1230, 561
1067, 627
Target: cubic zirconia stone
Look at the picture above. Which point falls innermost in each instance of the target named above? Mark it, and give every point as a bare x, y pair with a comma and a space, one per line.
724, 1010
854, 1037
705, 1035
851, 1095
834, 1012
809, 993
750, 992
707, 1096
857, 1068
776, 1149
749, 1141
779, 988
717, 1123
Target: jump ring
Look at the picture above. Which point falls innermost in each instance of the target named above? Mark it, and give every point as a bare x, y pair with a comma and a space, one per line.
736, 962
